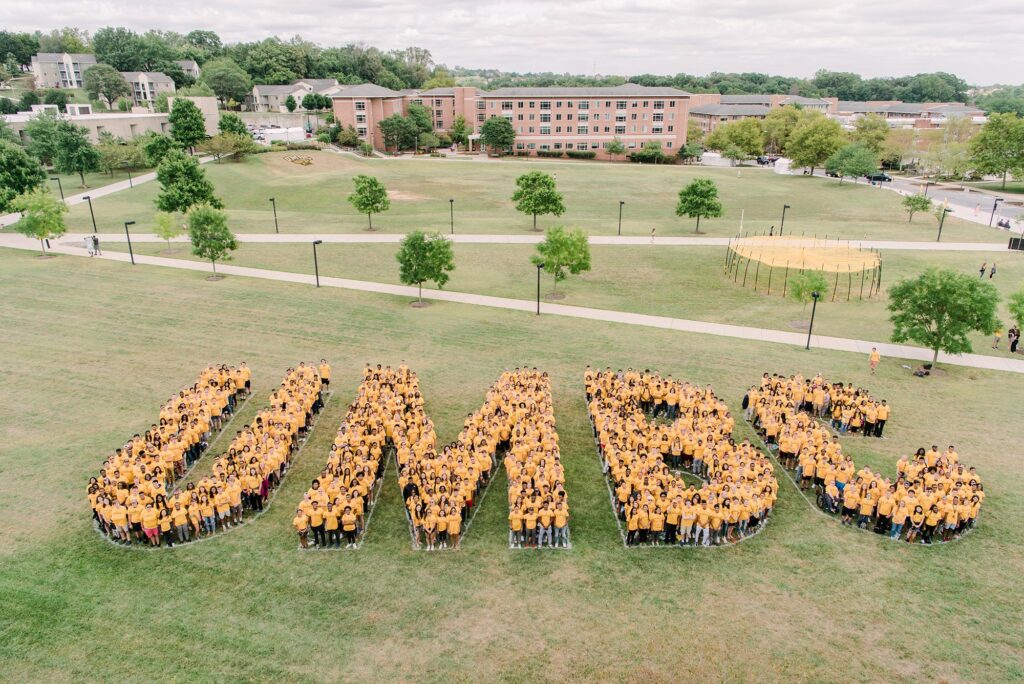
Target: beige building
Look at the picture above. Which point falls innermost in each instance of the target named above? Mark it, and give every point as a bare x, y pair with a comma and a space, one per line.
60, 70
272, 98
189, 66
146, 85
118, 124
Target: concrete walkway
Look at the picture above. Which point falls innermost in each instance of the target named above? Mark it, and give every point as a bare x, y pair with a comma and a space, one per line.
684, 325
534, 238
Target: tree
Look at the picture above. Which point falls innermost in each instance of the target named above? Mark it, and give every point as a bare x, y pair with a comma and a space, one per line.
42, 215
915, 203
104, 82
1016, 306
745, 134
998, 148
167, 227
365, 149
211, 238
853, 160
20, 173
28, 98
228, 80
563, 253
813, 140
420, 117
183, 184
803, 285
778, 126
650, 153
734, 154
119, 47
75, 154
229, 144
497, 133
42, 134
459, 132
348, 136
232, 123
370, 197
111, 155
290, 103
156, 147
56, 97
536, 194
939, 308
429, 141
694, 133
439, 79
689, 153
425, 257
699, 200
871, 130
398, 132
188, 126
615, 147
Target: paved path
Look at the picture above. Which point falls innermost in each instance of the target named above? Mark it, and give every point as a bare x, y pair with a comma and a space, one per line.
530, 239
685, 325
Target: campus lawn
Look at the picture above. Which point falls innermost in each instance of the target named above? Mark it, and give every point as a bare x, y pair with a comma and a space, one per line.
1012, 186
312, 199
682, 282
94, 347
72, 184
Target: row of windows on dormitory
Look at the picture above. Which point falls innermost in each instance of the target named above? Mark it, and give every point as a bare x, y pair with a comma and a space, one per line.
620, 117
580, 146
569, 104
595, 130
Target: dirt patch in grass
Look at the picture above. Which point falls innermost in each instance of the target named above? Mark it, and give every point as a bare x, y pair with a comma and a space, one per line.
406, 196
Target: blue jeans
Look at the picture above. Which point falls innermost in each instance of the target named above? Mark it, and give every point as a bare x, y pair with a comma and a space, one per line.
562, 535
897, 529
210, 523
543, 533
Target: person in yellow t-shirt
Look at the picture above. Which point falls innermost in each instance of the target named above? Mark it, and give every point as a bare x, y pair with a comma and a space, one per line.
515, 527
561, 520
348, 527
151, 524
301, 524
331, 515
874, 359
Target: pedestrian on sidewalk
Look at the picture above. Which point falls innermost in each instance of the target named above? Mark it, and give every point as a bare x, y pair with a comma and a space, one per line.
981, 271
992, 271
977, 208
874, 359
96, 245
652, 235
1013, 337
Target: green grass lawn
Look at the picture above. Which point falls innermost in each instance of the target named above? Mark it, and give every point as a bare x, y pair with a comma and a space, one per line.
312, 199
94, 347
1012, 186
72, 185
682, 282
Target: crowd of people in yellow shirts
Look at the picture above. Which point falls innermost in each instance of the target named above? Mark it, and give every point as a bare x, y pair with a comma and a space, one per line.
933, 497
639, 455
135, 499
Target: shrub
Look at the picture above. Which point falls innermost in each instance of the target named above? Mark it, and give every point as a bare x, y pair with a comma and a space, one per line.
549, 153
581, 154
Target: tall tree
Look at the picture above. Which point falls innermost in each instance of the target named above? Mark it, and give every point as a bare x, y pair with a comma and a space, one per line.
998, 148
940, 308
871, 130
232, 123
497, 133
425, 257
778, 126
119, 47
563, 253
699, 200
370, 197
228, 80
420, 117
183, 184
536, 194
211, 238
42, 215
156, 147
75, 154
19, 173
745, 134
42, 134
915, 203
398, 132
694, 133
459, 132
290, 103
853, 160
188, 126
813, 140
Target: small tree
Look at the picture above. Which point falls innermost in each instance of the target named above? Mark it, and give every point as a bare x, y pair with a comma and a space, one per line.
429, 141
290, 104
348, 137
19, 173
803, 285
699, 200
167, 227
459, 132
563, 252
425, 257
188, 127
42, 215
232, 123
852, 160
536, 194
210, 236
497, 133
75, 154
915, 203
939, 308
734, 154
615, 147
365, 148
183, 184
370, 197
104, 82
233, 144
1016, 306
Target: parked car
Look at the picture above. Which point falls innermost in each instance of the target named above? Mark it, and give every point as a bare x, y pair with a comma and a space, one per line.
879, 177
831, 174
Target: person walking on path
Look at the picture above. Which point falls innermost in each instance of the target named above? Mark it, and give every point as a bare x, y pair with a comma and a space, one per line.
995, 338
96, 245
652, 234
1013, 337
992, 271
874, 359
981, 271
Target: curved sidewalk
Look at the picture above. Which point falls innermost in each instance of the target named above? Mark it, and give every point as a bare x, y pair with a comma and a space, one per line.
665, 322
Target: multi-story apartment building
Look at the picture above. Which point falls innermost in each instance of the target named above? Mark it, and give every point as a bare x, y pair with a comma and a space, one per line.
906, 114
189, 66
272, 98
60, 70
558, 118
146, 85
711, 110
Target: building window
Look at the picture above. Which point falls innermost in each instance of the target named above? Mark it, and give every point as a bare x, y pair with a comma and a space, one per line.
418, 101
620, 118
558, 129
532, 146
671, 116
583, 116
620, 130
558, 146
582, 130
438, 113
479, 117
519, 117
558, 104
668, 144
645, 103
545, 118
545, 146
659, 104
632, 117
656, 129
606, 129
582, 147
545, 130
531, 129
671, 103
361, 132
568, 117
635, 103
658, 116
533, 105
545, 105
506, 105
632, 146
520, 146
558, 117
584, 104
480, 104
360, 106
360, 118
594, 146
438, 103
569, 104
620, 104
644, 117
669, 129
520, 104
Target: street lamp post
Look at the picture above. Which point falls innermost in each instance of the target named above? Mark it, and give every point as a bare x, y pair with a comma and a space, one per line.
128, 235
60, 187
88, 198
621, 203
995, 205
316, 266
926, 185
942, 220
783, 223
273, 203
539, 267
130, 184
814, 307
451, 212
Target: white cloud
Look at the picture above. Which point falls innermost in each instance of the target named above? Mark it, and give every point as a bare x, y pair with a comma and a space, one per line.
976, 40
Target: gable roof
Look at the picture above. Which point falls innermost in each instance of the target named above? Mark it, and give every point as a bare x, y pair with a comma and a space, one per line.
317, 83
155, 76
801, 100
54, 57
367, 90
276, 89
730, 110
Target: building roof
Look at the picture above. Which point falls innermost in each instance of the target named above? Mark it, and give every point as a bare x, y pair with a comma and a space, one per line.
155, 76
54, 57
800, 100
731, 110
624, 90
437, 91
956, 110
860, 107
368, 90
317, 83
276, 89
746, 99
187, 63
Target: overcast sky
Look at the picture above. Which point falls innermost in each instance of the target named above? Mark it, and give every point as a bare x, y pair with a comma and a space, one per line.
977, 39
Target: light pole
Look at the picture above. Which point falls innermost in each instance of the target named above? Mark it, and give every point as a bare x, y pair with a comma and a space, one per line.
942, 219
128, 235
316, 266
621, 203
451, 212
926, 184
130, 184
814, 307
539, 267
59, 187
88, 198
783, 223
273, 203
995, 205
